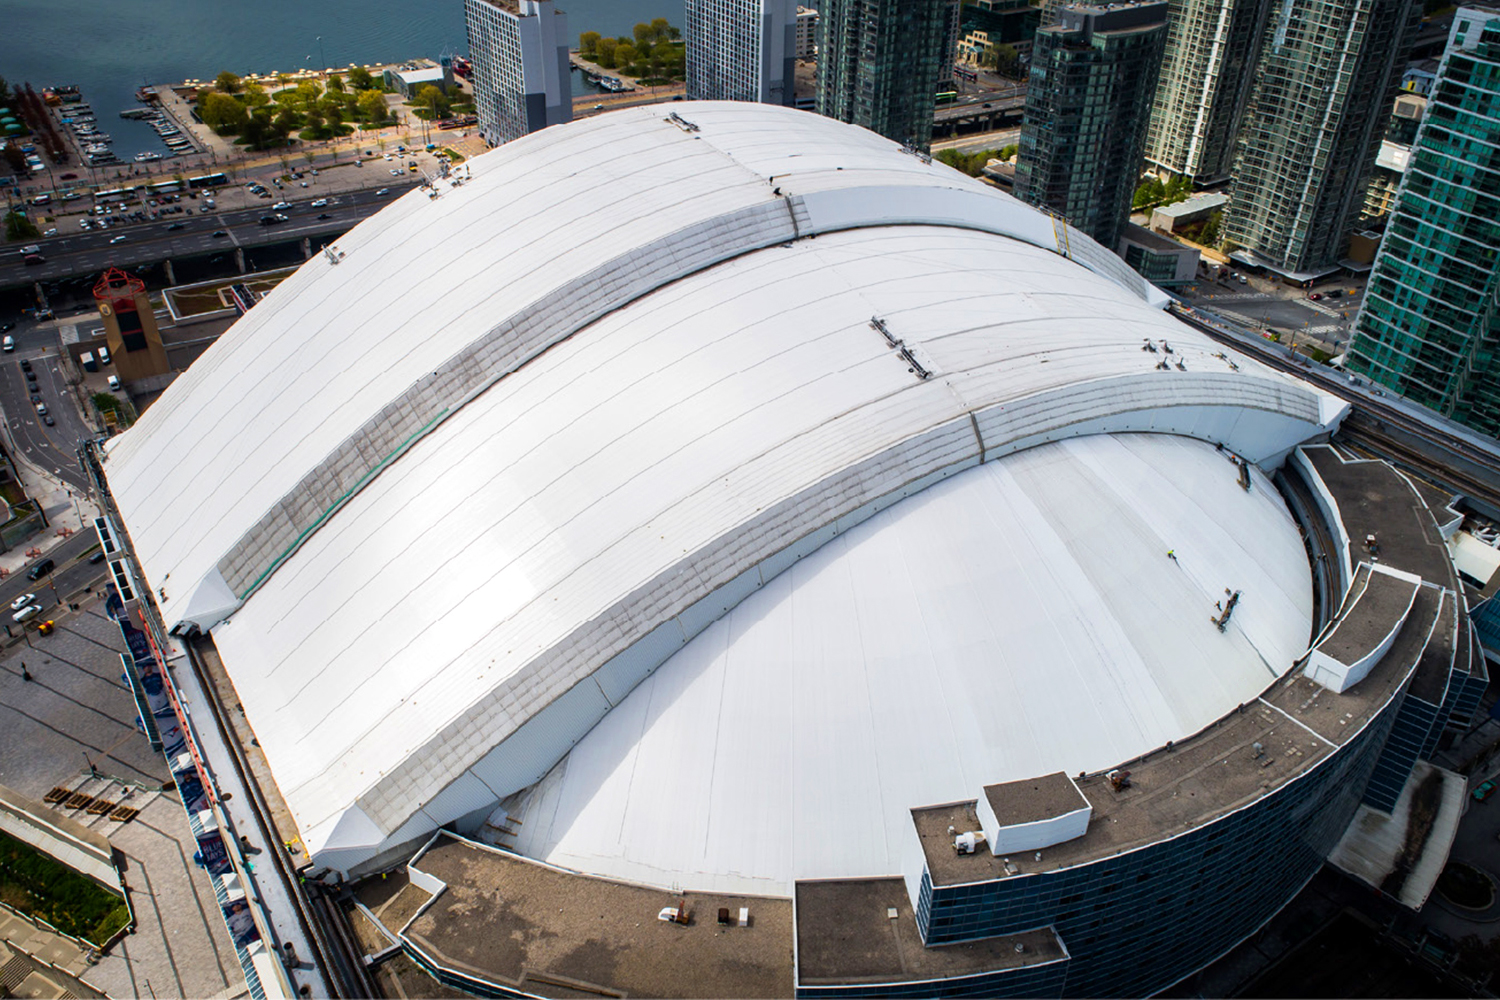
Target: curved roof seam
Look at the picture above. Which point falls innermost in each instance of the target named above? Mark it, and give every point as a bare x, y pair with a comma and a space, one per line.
833, 488
286, 525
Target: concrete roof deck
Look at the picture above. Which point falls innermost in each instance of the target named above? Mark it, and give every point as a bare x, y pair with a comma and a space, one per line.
526, 926
1436, 663
1366, 622
846, 935
1375, 499
1296, 721
1033, 799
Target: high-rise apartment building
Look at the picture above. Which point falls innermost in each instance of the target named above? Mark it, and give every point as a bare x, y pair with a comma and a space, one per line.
1326, 75
1204, 83
741, 50
519, 49
1093, 74
1430, 324
880, 63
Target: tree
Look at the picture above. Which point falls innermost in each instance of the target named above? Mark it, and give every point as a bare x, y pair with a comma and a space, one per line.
1209, 234
433, 99
661, 29
5, 94
286, 121
308, 93
312, 125
335, 83
606, 50
624, 55
255, 95
227, 83
18, 227
361, 78
309, 156
14, 156
588, 44
372, 106
222, 113
643, 33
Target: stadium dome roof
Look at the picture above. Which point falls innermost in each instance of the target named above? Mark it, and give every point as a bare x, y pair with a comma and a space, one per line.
454, 489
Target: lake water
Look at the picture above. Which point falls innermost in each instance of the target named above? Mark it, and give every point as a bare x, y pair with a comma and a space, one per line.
110, 48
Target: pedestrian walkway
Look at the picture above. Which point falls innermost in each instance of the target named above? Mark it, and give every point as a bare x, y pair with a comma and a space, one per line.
48, 946
67, 512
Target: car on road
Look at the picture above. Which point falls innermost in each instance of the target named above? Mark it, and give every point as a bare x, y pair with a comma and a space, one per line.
97, 558
323, 215
271, 220
114, 382
33, 258
174, 226
395, 171
220, 232
9, 343
120, 239
30, 375
1484, 791
28, 612
41, 409
49, 421
22, 601
1316, 296
31, 248
35, 398
282, 206
382, 191
7, 325
50, 232
41, 569
320, 203
387, 156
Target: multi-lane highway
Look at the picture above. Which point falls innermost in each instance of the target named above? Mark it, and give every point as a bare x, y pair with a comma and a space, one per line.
192, 235
52, 447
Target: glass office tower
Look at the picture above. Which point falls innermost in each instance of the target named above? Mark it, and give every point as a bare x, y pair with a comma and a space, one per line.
881, 62
1430, 320
1093, 75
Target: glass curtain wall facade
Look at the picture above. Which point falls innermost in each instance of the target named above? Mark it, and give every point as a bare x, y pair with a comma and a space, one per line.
741, 50
1204, 84
1093, 76
1430, 323
880, 64
1327, 72
522, 82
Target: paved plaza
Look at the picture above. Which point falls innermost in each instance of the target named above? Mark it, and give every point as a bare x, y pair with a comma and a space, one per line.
76, 712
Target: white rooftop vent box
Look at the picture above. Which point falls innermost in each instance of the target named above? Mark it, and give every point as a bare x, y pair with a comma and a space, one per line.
1031, 814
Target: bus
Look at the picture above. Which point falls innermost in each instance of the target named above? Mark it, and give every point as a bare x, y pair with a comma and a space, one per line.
462, 122
947, 96
207, 181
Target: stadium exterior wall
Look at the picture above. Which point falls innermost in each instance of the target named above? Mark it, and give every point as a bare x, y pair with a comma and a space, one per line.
1138, 922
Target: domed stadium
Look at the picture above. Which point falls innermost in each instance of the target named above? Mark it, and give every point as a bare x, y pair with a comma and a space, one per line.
719, 498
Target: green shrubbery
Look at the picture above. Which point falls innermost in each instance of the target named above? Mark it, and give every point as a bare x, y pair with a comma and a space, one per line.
654, 54
41, 887
265, 119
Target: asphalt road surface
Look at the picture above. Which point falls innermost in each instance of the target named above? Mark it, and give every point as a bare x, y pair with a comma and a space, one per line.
190, 235
73, 573
53, 448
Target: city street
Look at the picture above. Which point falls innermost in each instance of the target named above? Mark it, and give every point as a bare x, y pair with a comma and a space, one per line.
1323, 323
52, 448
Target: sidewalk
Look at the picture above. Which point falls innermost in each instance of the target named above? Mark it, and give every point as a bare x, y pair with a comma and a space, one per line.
67, 511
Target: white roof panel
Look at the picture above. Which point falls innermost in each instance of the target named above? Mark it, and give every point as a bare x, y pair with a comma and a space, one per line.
1019, 619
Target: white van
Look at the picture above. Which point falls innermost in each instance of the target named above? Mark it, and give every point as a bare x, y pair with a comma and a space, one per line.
114, 382
30, 611
9, 343
104, 355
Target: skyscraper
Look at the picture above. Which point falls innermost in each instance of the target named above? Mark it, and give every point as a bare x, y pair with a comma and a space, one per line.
1430, 324
1201, 93
880, 63
741, 50
1326, 76
519, 49
1093, 74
